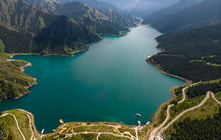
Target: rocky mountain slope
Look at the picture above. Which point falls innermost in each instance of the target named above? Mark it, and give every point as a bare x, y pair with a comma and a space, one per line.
18, 19
198, 15
101, 20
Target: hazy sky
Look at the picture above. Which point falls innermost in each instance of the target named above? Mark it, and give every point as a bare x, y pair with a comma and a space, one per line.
141, 8
130, 4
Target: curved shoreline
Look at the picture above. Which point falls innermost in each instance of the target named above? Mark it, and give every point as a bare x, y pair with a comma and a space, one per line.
30, 84
162, 71
33, 128
150, 63
29, 64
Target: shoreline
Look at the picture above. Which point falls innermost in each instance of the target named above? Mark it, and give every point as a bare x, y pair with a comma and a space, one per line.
30, 84
31, 122
162, 71
34, 83
72, 54
175, 76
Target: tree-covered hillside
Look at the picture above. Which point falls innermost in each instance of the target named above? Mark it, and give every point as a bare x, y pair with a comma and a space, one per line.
92, 3
50, 5
198, 15
157, 18
101, 20
194, 55
29, 29
13, 83
91, 18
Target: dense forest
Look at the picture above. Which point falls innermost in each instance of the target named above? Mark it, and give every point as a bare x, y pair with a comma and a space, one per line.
19, 42
208, 129
34, 29
30, 29
193, 55
202, 88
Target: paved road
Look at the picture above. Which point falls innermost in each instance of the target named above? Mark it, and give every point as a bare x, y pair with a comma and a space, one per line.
16, 123
154, 131
215, 98
31, 123
98, 136
136, 133
178, 116
184, 94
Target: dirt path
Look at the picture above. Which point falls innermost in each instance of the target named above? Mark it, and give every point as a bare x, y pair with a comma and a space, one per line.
181, 114
136, 133
178, 116
99, 133
31, 123
16, 123
154, 131
98, 136
215, 98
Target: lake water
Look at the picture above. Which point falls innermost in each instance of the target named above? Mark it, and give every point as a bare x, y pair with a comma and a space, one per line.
109, 82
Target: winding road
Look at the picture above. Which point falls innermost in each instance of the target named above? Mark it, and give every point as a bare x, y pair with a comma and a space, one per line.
31, 123
99, 133
131, 137
181, 114
215, 98
16, 123
153, 134
154, 131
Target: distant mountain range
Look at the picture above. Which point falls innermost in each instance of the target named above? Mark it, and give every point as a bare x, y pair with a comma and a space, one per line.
92, 3
140, 8
100, 21
55, 28
18, 19
193, 55
186, 15
162, 15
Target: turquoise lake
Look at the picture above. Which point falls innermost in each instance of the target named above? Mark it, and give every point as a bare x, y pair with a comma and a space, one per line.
109, 82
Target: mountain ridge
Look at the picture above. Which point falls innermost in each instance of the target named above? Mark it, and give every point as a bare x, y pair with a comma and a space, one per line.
198, 15
161, 15
32, 22
96, 20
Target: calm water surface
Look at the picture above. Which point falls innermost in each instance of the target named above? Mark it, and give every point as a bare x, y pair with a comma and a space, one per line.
109, 82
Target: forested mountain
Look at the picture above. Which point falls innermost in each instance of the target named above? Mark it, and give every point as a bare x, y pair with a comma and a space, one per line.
13, 83
102, 22
160, 16
50, 5
194, 55
91, 18
144, 8
64, 36
105, 5
140, 8
116, 17
92, 3
20, 16
201, 14
30, 22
